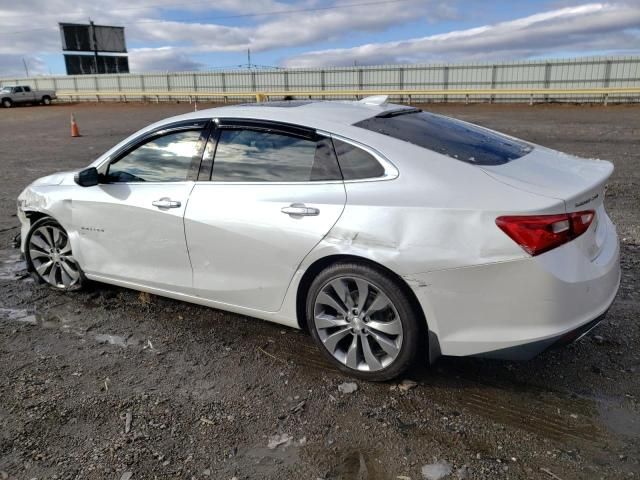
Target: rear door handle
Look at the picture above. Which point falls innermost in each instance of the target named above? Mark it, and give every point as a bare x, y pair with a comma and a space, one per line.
299, 209
166, 202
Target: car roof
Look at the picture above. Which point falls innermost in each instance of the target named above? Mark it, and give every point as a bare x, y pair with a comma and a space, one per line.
317, 114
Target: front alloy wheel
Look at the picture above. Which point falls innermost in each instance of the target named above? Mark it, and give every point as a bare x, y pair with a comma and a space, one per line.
49, 255
364, 321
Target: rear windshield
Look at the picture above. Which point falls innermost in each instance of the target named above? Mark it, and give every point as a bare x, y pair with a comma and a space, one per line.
447, 136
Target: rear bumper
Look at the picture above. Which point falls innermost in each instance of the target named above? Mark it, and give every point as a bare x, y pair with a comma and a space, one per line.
517, 309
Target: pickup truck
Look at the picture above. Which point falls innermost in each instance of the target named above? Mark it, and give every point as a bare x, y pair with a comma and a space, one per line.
14, 94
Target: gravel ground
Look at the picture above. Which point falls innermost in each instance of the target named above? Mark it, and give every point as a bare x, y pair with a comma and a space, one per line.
109, 383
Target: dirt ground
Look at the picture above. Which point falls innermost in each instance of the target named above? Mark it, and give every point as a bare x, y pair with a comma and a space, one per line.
112, 384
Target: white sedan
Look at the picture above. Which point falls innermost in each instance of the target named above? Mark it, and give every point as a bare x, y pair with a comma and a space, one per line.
387, 232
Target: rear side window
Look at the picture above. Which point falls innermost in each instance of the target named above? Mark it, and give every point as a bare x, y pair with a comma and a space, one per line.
246, 155
356, 163
447, 136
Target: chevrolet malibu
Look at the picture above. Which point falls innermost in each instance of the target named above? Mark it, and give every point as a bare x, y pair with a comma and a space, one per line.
387, 232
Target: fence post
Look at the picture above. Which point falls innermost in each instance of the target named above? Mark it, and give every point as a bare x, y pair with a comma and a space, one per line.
144, 88
547, 79
445, 83
119, 88
607, 80
494, 79
223, 78
323, 85
401, 82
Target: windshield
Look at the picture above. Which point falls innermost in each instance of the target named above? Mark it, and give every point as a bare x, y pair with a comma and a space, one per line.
5, 89
448, 136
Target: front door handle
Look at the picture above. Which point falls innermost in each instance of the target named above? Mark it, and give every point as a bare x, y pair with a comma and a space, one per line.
166, 202
299, 209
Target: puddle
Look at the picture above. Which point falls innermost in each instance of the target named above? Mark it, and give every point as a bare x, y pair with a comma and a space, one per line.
12, 267
67, 323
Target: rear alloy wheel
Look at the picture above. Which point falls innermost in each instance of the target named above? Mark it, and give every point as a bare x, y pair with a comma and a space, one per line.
46, 100
7, 103
49, 255
364, 321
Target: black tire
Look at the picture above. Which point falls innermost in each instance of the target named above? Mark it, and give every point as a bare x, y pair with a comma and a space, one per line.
413, 326
7, 103
46, 100
48, 221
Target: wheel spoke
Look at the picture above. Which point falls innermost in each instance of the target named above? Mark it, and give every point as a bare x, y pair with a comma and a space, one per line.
379, 303
39, 241
342, 291
66, 278
55, 235
38, 254
394, 327
387, 345
369, 357
47, 237
66, 247
326, 299
53, 277
352, 353
69, 268
43, 267
363, 293
332, 340
326, 321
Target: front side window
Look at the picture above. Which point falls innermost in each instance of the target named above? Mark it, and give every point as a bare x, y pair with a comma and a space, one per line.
27, 89
17, 90
162, 159
245, 155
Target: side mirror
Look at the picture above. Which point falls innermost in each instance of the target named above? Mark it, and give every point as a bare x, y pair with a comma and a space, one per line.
87, 177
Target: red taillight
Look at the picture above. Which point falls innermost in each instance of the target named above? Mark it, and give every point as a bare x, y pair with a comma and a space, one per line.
540, 233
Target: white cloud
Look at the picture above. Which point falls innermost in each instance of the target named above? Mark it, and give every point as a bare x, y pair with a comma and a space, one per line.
589, 27
161, 60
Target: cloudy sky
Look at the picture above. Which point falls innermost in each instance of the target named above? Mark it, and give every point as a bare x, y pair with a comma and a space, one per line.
171, 35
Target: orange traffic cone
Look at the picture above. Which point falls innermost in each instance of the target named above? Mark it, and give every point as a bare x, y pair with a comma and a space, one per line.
75, 131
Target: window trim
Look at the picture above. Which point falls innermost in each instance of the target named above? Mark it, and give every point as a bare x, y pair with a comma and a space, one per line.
282, 128
185, 125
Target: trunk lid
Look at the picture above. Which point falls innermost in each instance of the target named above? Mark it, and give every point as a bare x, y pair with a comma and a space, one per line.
580, 183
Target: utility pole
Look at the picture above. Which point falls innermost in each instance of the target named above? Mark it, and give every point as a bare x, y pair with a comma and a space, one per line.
26, 69
249, 57
95, 44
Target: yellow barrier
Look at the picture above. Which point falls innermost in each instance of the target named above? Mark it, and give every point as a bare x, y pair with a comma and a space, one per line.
264, 96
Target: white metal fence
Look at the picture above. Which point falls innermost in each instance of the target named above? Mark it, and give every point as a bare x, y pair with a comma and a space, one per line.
553, 75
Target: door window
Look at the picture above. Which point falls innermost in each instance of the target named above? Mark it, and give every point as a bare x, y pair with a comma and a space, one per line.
17, 90
27, 89
162, 159
245, 155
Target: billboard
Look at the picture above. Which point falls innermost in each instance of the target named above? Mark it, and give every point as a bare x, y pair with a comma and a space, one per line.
88, 64
92, 38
